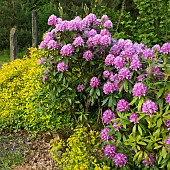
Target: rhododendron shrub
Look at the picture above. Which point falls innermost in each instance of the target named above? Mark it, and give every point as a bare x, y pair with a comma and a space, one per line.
92, 74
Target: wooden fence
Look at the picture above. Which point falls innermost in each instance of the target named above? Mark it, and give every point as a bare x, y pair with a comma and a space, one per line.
13, 37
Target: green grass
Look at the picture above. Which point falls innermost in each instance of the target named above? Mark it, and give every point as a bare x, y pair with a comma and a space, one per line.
9, 158
5, 55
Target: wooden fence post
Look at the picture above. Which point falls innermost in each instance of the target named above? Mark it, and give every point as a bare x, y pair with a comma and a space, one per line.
34, 29
13, 44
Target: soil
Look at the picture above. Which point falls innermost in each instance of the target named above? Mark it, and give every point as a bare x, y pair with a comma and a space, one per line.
33, 147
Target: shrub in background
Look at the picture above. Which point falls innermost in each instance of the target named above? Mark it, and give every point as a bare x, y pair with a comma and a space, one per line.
89, 72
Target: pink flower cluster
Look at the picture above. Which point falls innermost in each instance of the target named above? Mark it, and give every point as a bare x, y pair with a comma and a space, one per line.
151, 160
61, 66
110, 151
108, 115
41, 61
104, 134
108, 88
149, 107
120, 159
94, 82
67, 50
134, 118
88, 55
124, 73
139, 90
167, 99
80, 88
123, 105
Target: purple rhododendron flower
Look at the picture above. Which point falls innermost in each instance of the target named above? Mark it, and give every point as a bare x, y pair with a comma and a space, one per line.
105, 18
119, 62
106, 73
139, 89
135, 64
147, 53
108, 115
151, 160
63, 26
149, 107
123, 105
120, 159
124, 73
52, 44
80, 88
96, 39
156, 48
108, 88
116, 85
105, 40
48, 36
72, 25
105, 32
67, 50
165, 49
44, 78
41, 60
134, 118
167, 99
52, 20
91, 17
141, 78
108, 24
43, 44
46, 71
109, 60
167, 123
78, 42
117, 126
115, 49
104, 134
94, 82
110, 151
61, 66
90, 33
88, 55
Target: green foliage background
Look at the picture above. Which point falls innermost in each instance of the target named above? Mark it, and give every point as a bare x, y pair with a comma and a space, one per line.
146, 21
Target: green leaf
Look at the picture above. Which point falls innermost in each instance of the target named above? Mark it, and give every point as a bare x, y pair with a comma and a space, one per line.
140, 104
159, 122
60, 76
160, 92
105, 101
157, 133
140, 156
140, 130
110, 101
134, 129
134, 100
168, 166
157, 147
142, 143
164, 153
91, 91
98, 92
136, 155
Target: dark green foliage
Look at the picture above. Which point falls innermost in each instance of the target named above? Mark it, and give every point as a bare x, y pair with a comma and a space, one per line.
146, 21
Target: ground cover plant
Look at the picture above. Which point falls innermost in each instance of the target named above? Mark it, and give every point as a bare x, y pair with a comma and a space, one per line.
91, 75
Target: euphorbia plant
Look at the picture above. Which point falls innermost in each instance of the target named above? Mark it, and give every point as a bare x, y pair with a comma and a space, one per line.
89, 72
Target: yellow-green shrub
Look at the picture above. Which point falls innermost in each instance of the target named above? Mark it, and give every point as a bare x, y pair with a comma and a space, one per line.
80, 151
21, 95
